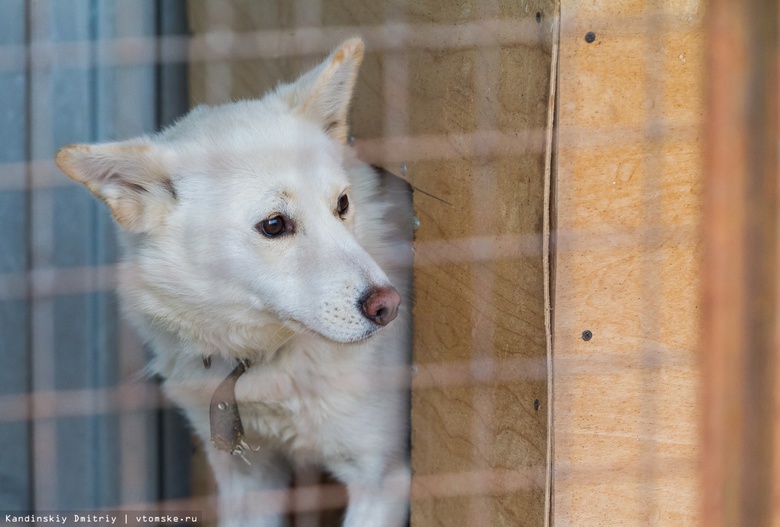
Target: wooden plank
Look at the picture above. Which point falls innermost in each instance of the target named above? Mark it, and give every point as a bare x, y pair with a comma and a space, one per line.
476, 307
629, 180
740, 285
235, 77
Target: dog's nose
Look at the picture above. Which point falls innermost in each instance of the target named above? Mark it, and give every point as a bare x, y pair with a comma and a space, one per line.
380, 304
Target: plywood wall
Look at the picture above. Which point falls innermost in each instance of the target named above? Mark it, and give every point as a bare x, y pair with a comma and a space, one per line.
455, 97
629, 184
479, 442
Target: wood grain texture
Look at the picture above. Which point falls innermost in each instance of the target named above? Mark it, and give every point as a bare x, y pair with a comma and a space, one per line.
480, 305
629, 181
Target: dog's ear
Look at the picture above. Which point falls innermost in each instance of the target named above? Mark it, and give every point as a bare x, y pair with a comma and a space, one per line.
130, 178
324, 93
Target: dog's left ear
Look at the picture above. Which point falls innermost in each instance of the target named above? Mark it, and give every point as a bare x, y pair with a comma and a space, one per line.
130, 177
324, 93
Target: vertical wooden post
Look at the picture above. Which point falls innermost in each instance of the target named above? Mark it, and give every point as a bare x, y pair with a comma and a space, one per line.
626, 324
740, 288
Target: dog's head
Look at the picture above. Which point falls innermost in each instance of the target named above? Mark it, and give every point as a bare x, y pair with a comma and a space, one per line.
245, 215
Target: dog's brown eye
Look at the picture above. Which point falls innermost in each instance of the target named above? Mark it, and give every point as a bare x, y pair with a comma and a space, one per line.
272, 226
343, 204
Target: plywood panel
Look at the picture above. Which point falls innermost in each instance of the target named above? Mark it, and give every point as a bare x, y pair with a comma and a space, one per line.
481, 304
455, 97
629, 181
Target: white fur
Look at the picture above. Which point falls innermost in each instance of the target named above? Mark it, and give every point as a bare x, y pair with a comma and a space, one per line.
200, 280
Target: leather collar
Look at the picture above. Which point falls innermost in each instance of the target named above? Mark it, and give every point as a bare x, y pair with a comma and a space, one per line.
227, 430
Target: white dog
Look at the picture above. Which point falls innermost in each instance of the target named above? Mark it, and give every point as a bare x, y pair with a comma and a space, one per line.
259, 268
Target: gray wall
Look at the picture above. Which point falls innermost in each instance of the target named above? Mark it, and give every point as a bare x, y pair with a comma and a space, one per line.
79, 426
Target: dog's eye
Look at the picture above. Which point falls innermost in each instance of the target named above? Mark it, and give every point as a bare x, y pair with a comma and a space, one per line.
343, 205
272, 227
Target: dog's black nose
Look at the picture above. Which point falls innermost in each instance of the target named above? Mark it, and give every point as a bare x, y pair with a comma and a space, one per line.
380, 304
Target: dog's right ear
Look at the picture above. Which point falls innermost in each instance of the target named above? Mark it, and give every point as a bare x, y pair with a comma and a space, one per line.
324, 93
131, 178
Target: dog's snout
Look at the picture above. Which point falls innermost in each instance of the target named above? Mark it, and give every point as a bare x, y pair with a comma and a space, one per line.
380, 304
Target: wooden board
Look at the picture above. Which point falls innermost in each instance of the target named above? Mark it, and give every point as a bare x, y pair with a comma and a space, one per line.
629, 184
479, 445
455, 97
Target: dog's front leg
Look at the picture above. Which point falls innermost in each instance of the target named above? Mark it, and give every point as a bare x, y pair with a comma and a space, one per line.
382, 502
251, 494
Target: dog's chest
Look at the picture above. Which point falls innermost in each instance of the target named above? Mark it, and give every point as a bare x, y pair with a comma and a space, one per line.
303, 407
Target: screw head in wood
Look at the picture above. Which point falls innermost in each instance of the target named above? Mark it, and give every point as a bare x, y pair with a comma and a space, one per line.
590, 37
587, 335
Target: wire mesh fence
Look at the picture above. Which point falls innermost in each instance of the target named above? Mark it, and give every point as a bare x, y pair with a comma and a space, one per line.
556, 155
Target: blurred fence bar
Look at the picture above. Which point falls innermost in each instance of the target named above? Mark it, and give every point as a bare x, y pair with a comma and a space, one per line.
740, 285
